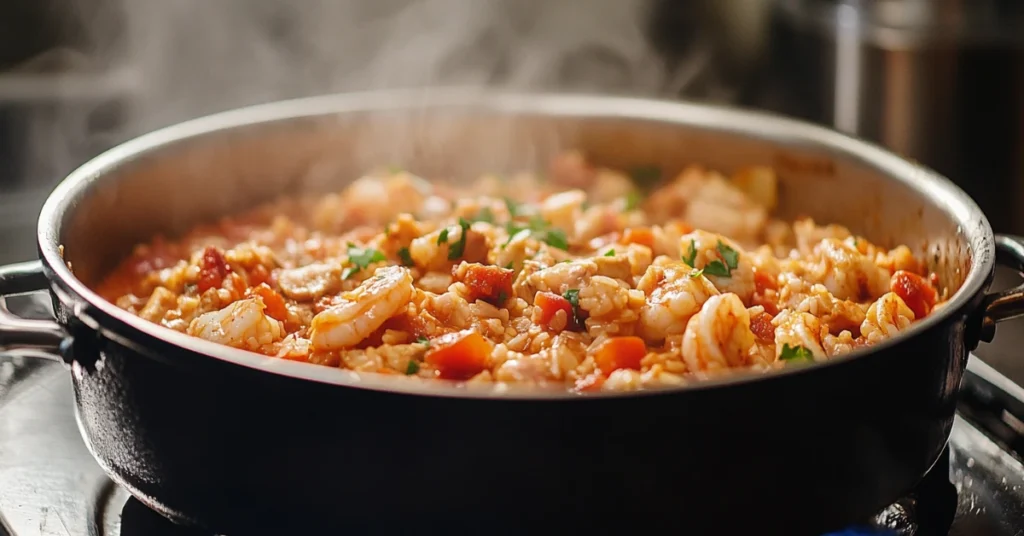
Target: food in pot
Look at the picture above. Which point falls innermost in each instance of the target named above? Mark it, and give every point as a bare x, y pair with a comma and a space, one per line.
583, 277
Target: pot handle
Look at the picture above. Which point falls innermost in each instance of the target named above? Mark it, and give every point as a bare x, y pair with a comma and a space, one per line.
22, 336
1006, 304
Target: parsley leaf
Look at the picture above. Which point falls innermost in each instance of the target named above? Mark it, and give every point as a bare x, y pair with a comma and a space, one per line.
361, 258
610, 253
690, 257
510, 265
423, 340
731, 256
696, 273
724, 267
513, 209
457, 249
405, 256
412, 368
485, 215
502, 297
555, 238
573, 297
645, 176
633, 200
443, 237
717, 269
793, 353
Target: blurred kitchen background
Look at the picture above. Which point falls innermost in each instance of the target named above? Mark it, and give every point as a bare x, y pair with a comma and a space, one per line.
938, 81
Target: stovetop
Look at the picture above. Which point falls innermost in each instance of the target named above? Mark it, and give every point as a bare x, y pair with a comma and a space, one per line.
50, 486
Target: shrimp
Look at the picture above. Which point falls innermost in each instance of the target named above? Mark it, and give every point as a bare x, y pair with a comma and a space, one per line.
799, 330
725, 264
886, 317
719, 336
361, 311
674, 294
242, 324
845, 272
309, 282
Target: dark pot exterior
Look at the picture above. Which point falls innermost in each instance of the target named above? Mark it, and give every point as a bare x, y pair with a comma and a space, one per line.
236, 451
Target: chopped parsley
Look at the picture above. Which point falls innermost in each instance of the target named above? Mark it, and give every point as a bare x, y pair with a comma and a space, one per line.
510, 265
405, 256
443, 237
633, 200
360, 259
794, 353
610, 253
513, 208
423, 340
412, 368
457, 249
485, 215
573, 297
724, 267
539, 230
696, 273
691, 256
502, 297
645, 176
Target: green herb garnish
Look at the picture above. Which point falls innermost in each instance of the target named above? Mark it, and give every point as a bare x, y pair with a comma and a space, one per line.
610, 253
633, 200
539, 230
485, 215
718, 267
573, 297
412, 368
361, 258
423, 340
502, 297
510, 265
696, 273
690, 257
405, 256
457, 249
645, 176
513, 209
443, 237
793, 353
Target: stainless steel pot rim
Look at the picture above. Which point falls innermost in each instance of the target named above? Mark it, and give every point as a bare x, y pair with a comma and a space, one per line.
940, 190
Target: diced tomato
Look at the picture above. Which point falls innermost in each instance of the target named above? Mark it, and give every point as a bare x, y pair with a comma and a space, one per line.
272, 300
591, 382
763, 281
258, 275
620, 353
915, 291
549, 304
761, 325
460, 355
490, 283
679, 227
639, 235
212, 269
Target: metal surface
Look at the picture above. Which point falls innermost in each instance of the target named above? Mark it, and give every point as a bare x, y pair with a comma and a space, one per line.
308, 144
194, 460
50, 486
1006, 304
940, 81
41, 337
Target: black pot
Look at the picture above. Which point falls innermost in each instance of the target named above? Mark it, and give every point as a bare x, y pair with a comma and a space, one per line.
239, 443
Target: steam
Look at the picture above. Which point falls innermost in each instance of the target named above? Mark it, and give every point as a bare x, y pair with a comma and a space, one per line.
175, 60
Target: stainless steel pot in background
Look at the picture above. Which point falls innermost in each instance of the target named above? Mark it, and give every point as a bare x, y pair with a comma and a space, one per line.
938, 81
